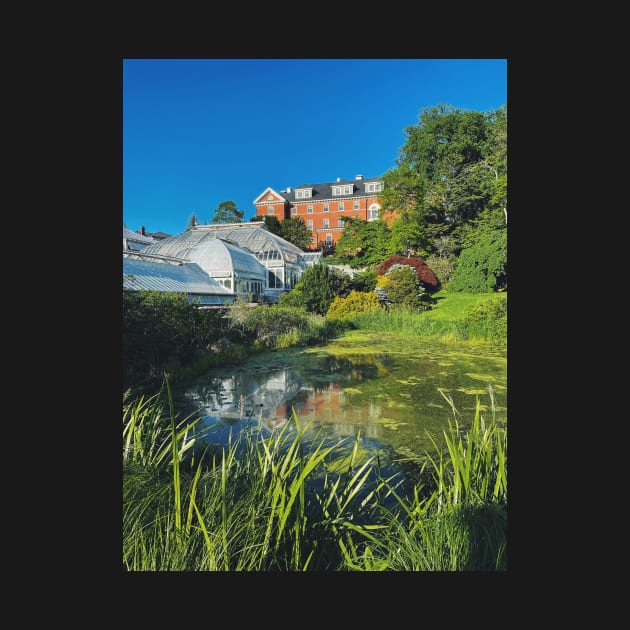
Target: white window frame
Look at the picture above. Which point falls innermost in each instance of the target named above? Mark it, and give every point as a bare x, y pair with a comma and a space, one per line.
340, 206
345, 189
326, 208
309, 209
269, 210
326, 224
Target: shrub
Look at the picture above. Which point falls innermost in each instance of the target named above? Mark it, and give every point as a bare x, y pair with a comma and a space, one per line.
400, 286
160, 330
493, 313
482, 268
314, 292
442, 267
356, 302
424, 274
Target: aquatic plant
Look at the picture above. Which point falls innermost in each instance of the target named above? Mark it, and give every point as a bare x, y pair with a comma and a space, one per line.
284, 502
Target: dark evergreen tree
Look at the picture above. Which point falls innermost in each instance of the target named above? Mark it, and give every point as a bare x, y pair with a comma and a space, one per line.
227, 212
314, 292
295, 231
272, 223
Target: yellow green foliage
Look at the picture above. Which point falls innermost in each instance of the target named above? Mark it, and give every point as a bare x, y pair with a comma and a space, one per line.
354, 303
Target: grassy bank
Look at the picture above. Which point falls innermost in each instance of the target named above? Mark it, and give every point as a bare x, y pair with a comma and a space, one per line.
454, 317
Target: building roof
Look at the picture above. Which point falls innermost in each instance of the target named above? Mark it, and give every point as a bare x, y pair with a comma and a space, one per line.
312, 258
221, 258
200, 241
134, 240
155, 275
324, 191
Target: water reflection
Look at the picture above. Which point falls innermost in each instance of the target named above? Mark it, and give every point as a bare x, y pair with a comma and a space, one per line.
389, 393
315, 391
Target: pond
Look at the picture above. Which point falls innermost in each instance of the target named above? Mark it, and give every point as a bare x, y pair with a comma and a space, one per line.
386, 389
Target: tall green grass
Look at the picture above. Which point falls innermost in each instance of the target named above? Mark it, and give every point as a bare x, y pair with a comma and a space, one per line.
461, 524
282, 502
455, 317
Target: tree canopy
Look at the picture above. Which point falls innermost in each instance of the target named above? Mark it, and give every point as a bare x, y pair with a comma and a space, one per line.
227, 212
296, 231
363, 242
482, 268
450, 178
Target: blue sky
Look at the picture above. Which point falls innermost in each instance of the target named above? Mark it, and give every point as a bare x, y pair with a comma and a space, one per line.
197, 132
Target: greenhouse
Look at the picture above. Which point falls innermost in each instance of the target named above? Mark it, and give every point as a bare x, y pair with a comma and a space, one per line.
243, 257
153, 273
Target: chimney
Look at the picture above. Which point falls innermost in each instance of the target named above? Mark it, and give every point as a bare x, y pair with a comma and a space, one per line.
358, 177
142, 231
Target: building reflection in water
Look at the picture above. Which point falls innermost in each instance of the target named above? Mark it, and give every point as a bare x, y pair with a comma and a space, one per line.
270, 397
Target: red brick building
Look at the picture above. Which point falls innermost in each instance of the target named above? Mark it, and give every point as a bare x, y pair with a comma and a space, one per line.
323, 207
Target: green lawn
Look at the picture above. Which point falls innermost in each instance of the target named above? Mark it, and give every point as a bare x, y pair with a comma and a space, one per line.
451, 306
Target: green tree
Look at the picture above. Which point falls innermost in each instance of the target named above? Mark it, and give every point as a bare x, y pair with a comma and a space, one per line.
482, 268
496, 160
451, 169
295, 231
407, 237
364, 282
402, 287
442, 267
272, 223
363, 242
314, 292
162, 328
227, 212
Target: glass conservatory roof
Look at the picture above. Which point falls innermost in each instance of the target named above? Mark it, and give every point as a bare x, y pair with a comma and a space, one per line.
163, 276
216, 256
252, 236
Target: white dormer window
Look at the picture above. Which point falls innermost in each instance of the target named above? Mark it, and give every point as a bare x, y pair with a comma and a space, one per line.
346, 189
374, 187
304, 193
